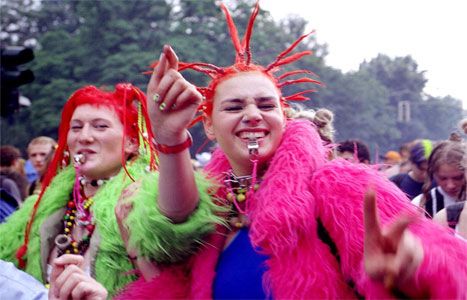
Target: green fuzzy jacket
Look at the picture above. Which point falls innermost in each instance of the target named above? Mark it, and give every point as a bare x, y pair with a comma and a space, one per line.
154, 235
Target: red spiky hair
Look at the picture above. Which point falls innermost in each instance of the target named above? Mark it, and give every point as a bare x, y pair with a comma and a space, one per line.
243, 64
128, 102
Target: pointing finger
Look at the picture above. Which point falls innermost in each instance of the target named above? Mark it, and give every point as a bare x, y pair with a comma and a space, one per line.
171, 57
372, 226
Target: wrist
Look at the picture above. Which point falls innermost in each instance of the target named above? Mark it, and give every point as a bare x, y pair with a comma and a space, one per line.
175, 146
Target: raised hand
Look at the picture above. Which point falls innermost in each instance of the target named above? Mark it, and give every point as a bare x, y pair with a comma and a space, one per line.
69, 281
172, 100
391, 255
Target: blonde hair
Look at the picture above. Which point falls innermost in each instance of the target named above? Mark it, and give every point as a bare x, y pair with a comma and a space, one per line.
42, 140
322, 118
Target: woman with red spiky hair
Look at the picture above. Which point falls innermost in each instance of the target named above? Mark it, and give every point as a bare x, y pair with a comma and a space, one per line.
298, 226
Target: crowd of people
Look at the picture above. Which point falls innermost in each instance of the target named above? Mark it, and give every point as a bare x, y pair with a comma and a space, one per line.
279, 210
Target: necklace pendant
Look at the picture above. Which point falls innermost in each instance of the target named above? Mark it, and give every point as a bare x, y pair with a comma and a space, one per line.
62, 241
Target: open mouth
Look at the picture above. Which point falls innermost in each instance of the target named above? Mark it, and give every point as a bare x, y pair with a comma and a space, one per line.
252, 135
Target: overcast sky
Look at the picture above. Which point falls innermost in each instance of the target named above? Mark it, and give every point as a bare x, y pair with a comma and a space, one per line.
434, 33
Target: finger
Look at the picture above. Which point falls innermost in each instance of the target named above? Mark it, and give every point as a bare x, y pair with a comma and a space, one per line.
171, 57
73, 279
371, 221
90, 289
393, 234
56, 272
161, 67
69, 259
156, 76
170, 78
172, 96
190, 96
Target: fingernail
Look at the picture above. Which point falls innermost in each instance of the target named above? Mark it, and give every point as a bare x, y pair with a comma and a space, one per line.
156, 97
162, 106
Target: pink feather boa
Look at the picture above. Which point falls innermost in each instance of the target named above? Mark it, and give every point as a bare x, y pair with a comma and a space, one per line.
299, 188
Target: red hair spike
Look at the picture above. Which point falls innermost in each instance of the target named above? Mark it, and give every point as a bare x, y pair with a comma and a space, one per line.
233, 32
248, 33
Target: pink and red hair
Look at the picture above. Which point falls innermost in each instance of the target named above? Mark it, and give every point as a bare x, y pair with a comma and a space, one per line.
243, 63
128, 102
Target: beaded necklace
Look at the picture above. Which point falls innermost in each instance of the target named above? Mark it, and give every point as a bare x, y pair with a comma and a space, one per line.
241, 188
77, 213
65, 242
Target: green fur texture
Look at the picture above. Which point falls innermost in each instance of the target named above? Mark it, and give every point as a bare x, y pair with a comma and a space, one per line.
155, 236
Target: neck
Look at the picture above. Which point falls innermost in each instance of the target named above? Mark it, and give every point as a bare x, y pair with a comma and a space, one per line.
414, 177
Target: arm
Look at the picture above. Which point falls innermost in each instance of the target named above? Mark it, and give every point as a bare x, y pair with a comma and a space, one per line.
172, 104
339, 189
147, 268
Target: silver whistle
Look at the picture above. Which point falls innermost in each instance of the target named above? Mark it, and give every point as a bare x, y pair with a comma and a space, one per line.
253, 146
79, 159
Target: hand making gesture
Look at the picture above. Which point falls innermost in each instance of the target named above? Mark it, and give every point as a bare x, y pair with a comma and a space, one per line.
69, 281
172, 100
393, 254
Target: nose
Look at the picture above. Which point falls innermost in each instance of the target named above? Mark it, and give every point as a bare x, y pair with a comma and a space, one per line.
450, 184
85, 135
252, 115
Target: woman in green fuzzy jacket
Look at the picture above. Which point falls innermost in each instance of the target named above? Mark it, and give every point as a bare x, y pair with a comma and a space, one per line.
69, 234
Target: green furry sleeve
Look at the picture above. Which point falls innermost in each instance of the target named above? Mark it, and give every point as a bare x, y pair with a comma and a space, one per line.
157, 237
12, 231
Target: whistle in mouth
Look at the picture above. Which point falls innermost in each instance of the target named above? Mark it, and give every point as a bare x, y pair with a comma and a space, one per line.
79, 159
253, 146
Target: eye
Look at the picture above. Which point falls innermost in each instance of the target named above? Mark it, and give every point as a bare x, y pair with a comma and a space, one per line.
101, 126
234, 108
268, 106
76, 127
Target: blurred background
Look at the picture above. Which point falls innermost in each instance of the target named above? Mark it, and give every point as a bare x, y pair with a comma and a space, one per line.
384, 102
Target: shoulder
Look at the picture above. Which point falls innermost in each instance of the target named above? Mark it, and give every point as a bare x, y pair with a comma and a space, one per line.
441, 217
19, 285
416, 201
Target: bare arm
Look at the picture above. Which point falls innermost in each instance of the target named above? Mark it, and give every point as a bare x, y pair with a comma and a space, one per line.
172, 104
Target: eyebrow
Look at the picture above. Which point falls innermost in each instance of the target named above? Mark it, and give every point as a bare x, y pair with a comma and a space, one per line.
93, 120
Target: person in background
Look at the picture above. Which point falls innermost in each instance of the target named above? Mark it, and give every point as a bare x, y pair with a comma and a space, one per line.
322, 119
12, 182
391, 161
455, 215
354, 151
299, 226
13, 186
40, 152
411, 183
446, 169
18, 285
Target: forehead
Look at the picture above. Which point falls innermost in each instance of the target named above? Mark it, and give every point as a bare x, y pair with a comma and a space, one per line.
246, 84
449, 170
90, 112
39, 148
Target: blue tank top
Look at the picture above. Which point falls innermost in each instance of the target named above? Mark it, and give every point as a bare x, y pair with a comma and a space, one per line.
240, 270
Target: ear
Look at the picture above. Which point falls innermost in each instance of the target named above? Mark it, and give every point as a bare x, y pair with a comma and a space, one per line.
131, 147
208, 128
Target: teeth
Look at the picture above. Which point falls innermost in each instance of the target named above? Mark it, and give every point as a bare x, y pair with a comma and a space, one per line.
251, 135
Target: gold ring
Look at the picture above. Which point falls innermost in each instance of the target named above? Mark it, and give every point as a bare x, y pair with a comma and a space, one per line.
162, 106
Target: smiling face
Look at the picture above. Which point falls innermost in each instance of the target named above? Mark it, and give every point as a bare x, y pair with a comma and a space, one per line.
246, 106
97, 133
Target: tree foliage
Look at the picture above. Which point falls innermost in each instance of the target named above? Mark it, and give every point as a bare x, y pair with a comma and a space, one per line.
105, 42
